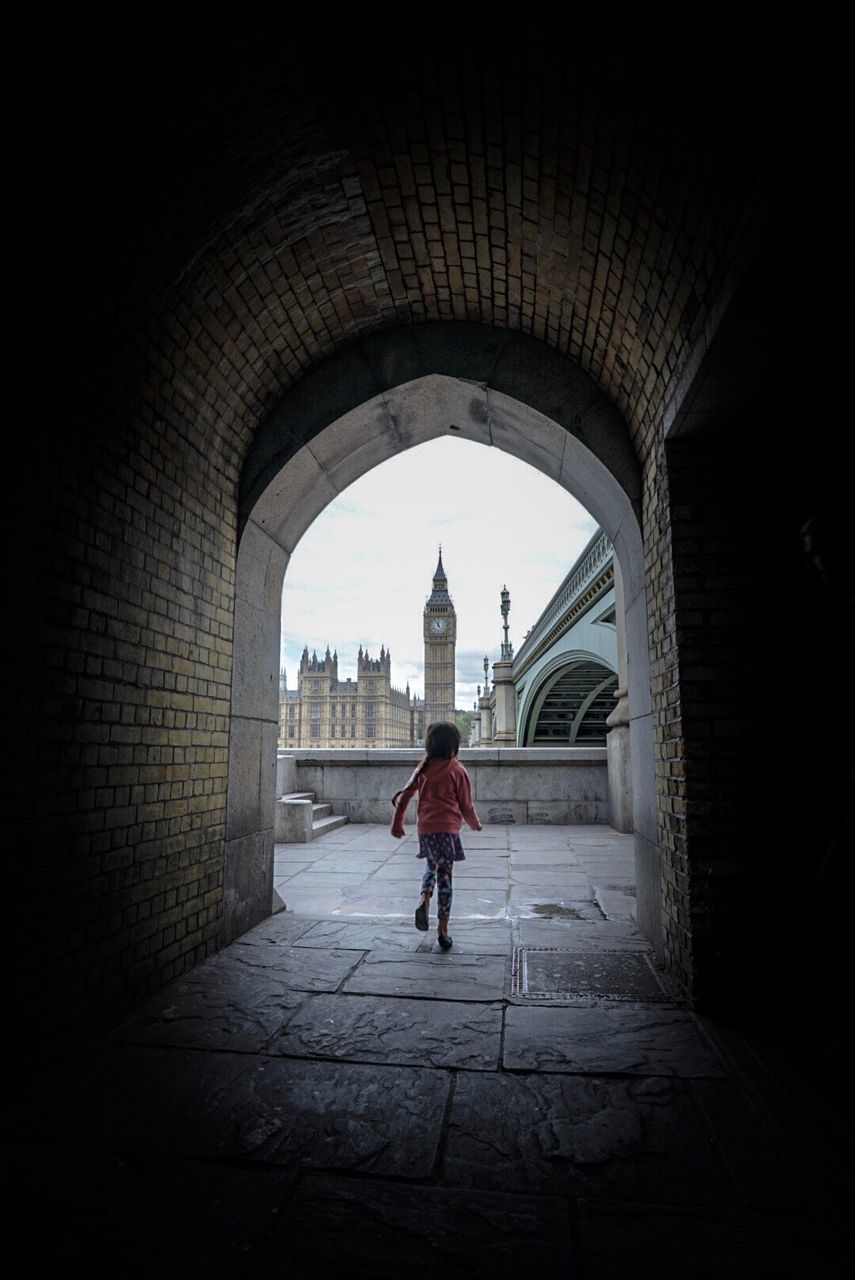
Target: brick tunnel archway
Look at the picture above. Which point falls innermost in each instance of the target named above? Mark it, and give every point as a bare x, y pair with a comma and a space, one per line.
602, 187
366, 404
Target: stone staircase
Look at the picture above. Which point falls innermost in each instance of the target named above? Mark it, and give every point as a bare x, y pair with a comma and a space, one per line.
300, 818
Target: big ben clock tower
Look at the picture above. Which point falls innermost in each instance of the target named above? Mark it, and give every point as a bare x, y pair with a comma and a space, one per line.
440, 629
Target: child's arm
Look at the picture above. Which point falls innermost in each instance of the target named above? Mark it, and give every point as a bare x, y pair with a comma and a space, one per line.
464, 798
402, 799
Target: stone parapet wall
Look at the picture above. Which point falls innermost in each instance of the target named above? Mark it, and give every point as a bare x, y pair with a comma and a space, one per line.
509, 785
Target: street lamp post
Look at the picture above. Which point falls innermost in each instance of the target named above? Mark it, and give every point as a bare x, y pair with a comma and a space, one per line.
504, 724
507, 647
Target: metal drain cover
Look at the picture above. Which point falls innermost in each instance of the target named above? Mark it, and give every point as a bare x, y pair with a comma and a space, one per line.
552, 974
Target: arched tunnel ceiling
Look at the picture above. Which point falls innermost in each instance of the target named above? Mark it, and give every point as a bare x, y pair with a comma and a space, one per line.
258, 195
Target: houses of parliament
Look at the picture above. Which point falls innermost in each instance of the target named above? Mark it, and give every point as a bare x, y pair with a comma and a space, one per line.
369, 711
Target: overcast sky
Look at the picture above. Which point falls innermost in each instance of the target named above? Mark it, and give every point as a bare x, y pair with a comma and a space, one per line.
362, 572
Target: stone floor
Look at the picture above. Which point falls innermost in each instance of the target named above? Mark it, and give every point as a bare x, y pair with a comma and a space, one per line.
332, 1095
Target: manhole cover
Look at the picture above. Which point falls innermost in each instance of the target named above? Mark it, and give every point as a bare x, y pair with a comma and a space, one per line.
553, 974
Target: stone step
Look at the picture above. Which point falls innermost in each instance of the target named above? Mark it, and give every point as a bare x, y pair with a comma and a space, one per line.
321, 811
299, 795
328, 824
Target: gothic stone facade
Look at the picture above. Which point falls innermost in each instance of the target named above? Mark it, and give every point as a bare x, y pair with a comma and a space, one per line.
325, 711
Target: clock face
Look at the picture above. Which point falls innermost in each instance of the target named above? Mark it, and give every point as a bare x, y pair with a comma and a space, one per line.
438, 625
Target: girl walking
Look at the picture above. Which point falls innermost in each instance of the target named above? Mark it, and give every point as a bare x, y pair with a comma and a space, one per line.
445, 803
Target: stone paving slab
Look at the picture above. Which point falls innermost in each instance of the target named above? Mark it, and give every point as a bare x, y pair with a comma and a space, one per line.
240, 1015
553, 842
368, 1119
282, 929
438, 975
288, 853
611, 935
546, 884
611, 880
529, 907
607, 1038
597, 832
548, 859
481, 937
355, 935
484, 906
610, 877
477, 937
484, 864
464, 882
565, 1135
376, 838
347, 865
403, 1032
286, 870
379, 901
616, 905
664, 1242
409, 872
359, 1229
605, 857
317, 881
495, 847
316, 902
238, 969
480, 850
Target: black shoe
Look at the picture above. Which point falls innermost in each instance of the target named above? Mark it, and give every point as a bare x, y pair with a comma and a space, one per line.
444, 941
422, 917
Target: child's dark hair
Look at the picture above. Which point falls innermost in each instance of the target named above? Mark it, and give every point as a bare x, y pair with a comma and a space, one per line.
442, 741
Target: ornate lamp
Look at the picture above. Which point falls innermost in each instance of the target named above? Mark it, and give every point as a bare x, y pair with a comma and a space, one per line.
507, 647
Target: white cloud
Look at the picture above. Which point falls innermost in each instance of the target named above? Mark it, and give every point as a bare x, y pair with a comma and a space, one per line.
362, 572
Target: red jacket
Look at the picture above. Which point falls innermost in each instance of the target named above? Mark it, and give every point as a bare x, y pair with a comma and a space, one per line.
445, 799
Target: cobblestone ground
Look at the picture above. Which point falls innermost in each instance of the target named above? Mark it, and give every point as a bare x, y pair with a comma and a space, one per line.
332, 1095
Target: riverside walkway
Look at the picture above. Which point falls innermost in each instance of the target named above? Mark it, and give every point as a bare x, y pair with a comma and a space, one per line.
332, 1095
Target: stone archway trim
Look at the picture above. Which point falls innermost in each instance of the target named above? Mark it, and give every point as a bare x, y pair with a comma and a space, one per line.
384, 394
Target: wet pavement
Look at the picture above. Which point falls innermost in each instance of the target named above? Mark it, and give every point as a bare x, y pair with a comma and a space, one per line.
333, 1095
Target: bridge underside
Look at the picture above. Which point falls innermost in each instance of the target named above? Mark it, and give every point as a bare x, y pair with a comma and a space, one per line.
573, 707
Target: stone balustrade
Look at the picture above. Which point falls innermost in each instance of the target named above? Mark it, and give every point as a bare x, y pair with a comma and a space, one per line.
510, 785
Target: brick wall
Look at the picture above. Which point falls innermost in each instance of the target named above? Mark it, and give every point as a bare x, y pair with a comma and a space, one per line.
124, 675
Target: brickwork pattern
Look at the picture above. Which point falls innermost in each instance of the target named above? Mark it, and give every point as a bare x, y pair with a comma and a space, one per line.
571, 181
128, 749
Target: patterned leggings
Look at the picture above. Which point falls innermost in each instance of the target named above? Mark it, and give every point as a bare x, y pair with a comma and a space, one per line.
438, 871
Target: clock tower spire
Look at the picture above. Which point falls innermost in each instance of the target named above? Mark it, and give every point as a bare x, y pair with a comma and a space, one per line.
440, 634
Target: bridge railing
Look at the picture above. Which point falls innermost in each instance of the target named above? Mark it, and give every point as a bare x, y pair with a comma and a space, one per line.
591, 562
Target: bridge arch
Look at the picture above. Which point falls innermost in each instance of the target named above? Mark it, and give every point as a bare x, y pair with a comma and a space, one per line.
593, 673
370, 401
